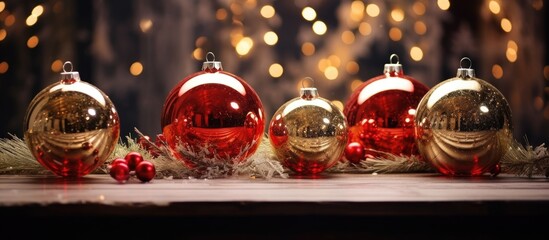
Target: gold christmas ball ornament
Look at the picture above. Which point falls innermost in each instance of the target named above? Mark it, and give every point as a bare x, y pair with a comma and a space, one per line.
308, 134
463, 125
71, 127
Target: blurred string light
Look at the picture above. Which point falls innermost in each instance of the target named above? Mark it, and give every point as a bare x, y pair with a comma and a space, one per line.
244, 46
270, 38
3, 34
365, 28
331, 73
308, 49
136, 69
320, 28
4, 66
506, 25
276, 70
308, 13
512, 50
56, 66
537, 4
33, 18
418, 8
443, 4
221, 14
267, 11
348, 37
416, 53
145, 25
546, 72
2, 6
395, 34
357, 11
32, 42
397, 15
372, 10
9, 20
494, 7
497, 71
420, 28
198, 54
352, 67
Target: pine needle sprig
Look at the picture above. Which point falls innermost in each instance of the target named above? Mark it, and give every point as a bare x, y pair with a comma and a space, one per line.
16, 158
526, 160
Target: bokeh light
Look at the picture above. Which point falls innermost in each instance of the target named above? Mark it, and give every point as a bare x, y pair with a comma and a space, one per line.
308, 13
136, 69
276, 70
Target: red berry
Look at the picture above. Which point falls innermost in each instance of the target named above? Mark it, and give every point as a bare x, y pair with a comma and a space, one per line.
354, 152
133, 159
118, 161
120, 172
145, 171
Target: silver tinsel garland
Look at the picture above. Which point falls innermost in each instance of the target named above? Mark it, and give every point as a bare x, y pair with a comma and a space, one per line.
15, 158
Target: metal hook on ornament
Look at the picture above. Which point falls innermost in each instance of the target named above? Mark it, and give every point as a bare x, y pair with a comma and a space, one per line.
311, 80
465, 59
213, 57
67, 63
392, 57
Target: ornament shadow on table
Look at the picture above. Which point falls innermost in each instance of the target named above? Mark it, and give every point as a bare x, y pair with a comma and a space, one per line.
71, 127
308, 133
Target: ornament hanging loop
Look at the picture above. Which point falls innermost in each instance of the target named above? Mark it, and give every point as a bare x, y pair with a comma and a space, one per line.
211, 65
69, 64
68, 75
393, 57
465, 60
308, 93
465, 73
392, 69
210, 54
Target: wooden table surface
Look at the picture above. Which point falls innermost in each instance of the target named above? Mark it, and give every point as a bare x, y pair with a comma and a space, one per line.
370, 205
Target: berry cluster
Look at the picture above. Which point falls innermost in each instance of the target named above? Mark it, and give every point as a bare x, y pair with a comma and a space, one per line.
133, 162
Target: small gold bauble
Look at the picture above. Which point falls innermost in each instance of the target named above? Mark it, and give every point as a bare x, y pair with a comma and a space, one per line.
308, 133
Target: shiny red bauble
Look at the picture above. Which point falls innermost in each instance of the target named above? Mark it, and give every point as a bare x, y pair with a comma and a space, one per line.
133, 159
215, 114
381, 112
145, 171
120, 172
354, 152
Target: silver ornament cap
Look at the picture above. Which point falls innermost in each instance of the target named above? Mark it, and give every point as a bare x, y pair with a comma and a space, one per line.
465, 72
393, 67
211, 65
68, 74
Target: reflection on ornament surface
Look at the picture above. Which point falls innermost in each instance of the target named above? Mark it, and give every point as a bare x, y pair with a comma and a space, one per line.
381, 112
308, 134
216, 112
464, 125
71, 127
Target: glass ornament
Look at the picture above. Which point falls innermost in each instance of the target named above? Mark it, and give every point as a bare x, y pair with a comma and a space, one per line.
213, 113
308, 133
71, 127
381, 113
464, 125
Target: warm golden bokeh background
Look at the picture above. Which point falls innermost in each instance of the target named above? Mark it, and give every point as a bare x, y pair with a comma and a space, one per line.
136, 51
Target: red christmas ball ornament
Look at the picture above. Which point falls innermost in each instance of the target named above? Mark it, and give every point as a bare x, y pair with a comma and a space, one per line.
381, 111
213, 113
133, 159
354, 152
145, 171
120, 172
